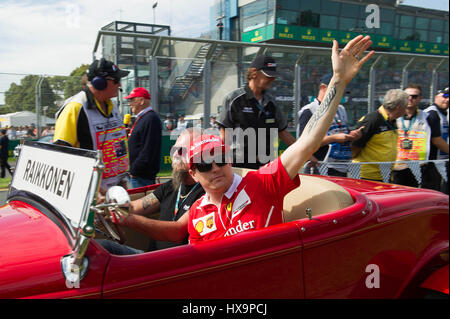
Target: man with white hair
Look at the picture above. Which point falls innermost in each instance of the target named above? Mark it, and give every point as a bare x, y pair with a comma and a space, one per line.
379, 135
172, 200
144, 140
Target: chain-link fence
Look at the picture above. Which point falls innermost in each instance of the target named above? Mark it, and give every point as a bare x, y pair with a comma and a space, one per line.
354, 169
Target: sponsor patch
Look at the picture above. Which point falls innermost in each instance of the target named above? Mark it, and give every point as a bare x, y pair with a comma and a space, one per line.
205, 225
241, 201
199, 226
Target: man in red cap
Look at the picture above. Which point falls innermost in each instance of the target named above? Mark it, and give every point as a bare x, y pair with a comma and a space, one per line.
234, 204
144, 141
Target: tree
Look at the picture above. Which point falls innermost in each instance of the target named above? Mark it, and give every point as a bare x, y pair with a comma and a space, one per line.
22, 97
66, 86
55, 89
76, 82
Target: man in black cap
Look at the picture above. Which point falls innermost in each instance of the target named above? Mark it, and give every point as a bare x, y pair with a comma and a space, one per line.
335, 146
91, 120
251, 121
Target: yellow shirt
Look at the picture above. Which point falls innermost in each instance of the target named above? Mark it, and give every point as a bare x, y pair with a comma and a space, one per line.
378, 143
68, 126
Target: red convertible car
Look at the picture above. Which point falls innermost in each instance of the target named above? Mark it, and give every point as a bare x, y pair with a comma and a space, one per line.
342, 238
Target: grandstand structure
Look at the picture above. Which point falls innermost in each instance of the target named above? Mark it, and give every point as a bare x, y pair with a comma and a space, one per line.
394, 27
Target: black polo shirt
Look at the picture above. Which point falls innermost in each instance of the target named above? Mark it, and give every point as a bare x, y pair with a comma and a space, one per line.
167, 198
242, 110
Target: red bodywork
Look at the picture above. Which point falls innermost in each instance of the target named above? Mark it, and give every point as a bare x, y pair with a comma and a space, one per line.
403, 231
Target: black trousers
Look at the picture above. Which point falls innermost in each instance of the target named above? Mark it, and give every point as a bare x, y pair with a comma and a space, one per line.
431, 178
335, 172
4, 165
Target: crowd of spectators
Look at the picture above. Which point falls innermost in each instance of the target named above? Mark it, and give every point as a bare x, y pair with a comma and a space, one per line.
27, 131
179, 123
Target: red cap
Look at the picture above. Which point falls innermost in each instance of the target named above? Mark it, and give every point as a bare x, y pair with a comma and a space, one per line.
139, 92
206, 146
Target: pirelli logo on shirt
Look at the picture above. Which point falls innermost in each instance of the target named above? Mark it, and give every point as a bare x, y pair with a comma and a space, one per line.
205, 225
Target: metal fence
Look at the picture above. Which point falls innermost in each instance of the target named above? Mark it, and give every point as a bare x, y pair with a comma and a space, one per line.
192, 76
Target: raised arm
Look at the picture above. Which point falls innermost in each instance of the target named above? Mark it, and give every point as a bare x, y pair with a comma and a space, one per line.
345, 66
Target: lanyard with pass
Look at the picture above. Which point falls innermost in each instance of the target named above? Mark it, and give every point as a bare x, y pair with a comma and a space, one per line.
178, 199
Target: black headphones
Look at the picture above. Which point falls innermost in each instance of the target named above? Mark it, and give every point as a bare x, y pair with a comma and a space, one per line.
99, 82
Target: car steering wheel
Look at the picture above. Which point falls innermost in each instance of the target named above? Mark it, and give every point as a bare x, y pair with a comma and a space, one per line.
114, 231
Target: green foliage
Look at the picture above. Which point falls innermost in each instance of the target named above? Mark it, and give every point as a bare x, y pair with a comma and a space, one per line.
75, 83
22, 97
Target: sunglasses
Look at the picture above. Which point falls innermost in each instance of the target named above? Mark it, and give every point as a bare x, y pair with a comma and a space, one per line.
206, 167
445, 95
116, 81
414, 96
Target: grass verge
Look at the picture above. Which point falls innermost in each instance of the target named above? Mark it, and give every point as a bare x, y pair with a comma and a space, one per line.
4, 182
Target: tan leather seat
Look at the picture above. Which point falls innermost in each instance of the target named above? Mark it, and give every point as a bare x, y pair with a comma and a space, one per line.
319, 195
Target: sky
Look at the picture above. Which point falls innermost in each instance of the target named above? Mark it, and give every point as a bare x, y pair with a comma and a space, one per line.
54, 37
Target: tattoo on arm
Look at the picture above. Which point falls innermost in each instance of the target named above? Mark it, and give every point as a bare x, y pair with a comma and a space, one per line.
149, 200
323, 109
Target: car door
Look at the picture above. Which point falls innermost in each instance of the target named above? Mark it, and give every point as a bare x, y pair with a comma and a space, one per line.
372, 248
255, 264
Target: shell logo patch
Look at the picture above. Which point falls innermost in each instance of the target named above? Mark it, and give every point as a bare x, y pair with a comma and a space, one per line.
199, 226
205, 225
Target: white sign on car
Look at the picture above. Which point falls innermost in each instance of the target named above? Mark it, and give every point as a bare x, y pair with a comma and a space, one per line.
60, 178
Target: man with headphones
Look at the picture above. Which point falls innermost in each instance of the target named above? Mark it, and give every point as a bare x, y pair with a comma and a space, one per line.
91, 120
